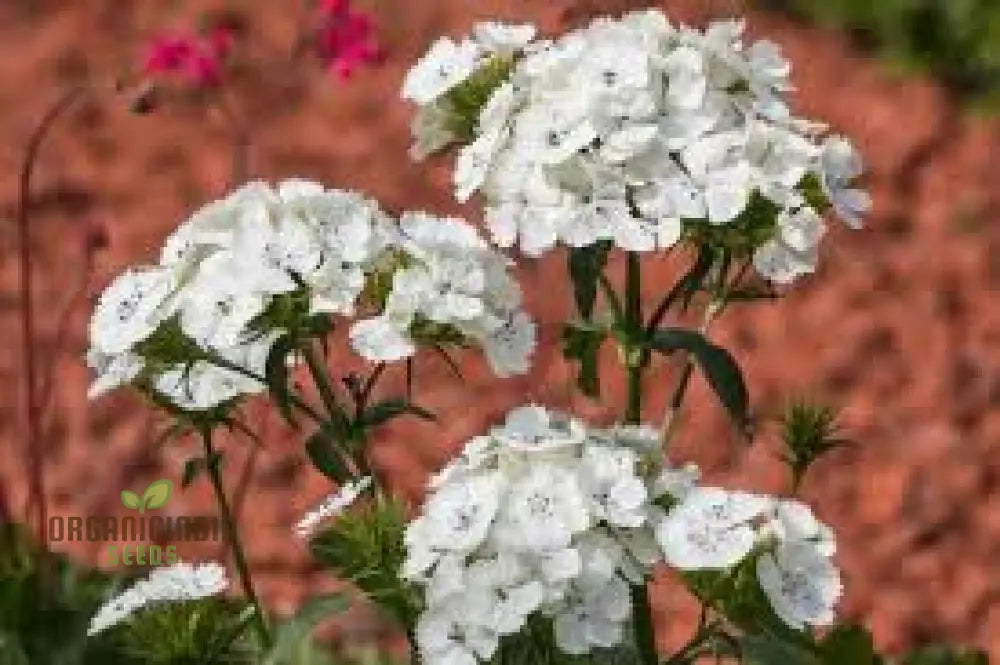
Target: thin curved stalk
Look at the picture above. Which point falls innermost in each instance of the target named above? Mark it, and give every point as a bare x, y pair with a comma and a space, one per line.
233, 537
33, 441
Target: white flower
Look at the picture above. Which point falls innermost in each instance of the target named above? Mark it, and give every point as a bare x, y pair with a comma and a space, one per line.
780, 263
677, 483
113, 370
841, 165
431, 131
594, 616
609, 480
381, 339
474, 161
543, 510
500, 37
456, 518
444, 66
687, 85
802, 584
534, 429
801, 229
710, 529
509, 346
130, 309
331, 506
177, 583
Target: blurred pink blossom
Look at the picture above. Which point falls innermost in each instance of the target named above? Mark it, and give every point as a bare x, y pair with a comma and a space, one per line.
346, 38
196, 59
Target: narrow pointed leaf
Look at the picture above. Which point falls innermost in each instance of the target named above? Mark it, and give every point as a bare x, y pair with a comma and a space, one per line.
718, 365
583, 344
585, 267
383, 412
326, 454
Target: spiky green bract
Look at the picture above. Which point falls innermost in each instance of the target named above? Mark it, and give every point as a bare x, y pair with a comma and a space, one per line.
365, 547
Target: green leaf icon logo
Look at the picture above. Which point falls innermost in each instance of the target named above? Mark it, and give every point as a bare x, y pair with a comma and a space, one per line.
130, 500
156, 495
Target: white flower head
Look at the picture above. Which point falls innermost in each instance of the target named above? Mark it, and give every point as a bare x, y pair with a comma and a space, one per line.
710, 529
543, 510
841, 165
130, 309
178, 583
331, 506
802, 585
629, 130
445, 65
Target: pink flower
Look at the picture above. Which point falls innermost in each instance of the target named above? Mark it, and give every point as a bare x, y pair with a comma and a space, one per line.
346, 38
197, 60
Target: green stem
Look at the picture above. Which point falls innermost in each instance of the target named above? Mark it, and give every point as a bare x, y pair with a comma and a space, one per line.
634, 356
635, 365
358, 460
233, 537
322, 380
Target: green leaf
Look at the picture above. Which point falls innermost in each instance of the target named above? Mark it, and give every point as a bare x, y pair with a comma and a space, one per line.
130, 499
718, 365
298, 628
770, 650
849, 644
585, 267
582, 342
383, 412
276, 375
326, 454
157, 494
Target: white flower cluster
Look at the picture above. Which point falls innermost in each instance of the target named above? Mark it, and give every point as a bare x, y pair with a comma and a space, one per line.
547, 517
315, 250
715, 529
178, 583
540, 515
450, 280
331, 506
631, 130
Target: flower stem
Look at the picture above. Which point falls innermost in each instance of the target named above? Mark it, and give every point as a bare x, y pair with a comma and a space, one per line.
635, 366
35, 446
233, 537
634, 357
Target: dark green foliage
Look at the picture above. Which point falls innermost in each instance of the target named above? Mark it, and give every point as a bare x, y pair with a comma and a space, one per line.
45, 605
946, 656
203, 632
956, 40
752, 228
